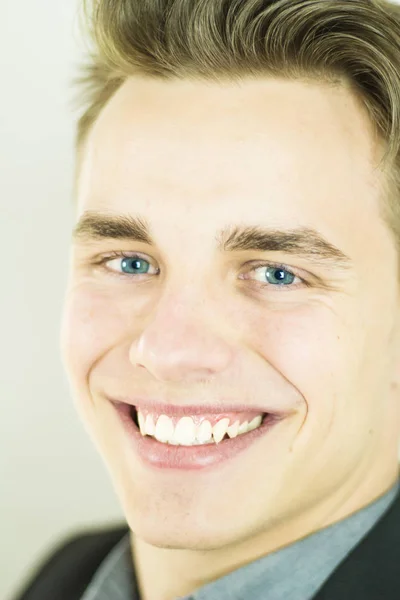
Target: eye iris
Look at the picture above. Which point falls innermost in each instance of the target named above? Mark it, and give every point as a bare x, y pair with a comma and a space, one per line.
279, 276
274, 275
132, 263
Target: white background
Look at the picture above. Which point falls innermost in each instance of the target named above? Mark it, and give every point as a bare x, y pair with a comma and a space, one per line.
52, 481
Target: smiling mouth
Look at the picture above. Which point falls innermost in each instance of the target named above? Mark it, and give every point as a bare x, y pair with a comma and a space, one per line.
184, 447
197, 430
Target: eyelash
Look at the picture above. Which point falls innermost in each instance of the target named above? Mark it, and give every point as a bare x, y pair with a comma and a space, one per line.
278, 266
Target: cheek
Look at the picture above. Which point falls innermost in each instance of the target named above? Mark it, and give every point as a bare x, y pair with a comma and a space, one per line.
91, 325
308, 347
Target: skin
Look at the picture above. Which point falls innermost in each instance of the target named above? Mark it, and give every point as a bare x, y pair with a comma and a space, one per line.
192, 157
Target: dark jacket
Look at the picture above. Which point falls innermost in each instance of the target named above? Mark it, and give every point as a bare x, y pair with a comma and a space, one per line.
370, 572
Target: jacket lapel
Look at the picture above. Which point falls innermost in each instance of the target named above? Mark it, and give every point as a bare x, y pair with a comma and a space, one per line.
372, 569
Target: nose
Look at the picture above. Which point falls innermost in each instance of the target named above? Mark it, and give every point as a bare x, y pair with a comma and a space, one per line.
182, 343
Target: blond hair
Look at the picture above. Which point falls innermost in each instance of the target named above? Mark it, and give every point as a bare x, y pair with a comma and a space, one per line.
332, 41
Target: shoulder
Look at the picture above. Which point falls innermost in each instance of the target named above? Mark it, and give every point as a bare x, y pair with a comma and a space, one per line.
67, 568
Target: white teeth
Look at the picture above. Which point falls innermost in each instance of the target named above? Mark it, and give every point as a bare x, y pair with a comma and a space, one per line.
243, 427
186, 433
141, 421
219, 430
204, 431
150, 427
233, 430
255, 423
164, 429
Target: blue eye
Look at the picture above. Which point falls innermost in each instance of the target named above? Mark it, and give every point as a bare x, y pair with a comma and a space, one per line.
272, 275
123, 265
132, 265
279, 276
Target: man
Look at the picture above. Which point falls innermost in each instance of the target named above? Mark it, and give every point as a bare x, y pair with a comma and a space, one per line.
231, 329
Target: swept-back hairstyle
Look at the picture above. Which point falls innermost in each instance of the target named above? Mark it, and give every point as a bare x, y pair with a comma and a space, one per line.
356, 42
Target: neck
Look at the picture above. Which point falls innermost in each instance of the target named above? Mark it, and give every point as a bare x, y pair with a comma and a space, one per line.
182, 571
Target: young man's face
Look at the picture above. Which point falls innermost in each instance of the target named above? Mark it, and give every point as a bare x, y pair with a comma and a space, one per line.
191, 323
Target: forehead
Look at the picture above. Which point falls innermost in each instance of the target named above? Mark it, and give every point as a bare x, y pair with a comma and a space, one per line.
273, 150
273, 124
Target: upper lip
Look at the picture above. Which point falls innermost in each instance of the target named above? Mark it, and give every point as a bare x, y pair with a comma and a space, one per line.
171, 409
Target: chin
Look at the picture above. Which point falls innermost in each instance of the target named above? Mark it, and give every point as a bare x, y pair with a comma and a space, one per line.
177, 541
164, 532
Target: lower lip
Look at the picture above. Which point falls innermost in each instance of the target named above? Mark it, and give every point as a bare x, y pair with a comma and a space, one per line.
168, 456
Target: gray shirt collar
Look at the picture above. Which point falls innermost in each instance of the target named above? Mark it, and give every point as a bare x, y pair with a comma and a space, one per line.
295, 572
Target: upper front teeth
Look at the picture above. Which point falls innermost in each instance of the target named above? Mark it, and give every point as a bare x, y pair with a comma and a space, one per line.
187, 433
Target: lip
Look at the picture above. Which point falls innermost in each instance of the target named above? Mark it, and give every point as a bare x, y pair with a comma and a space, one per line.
157, 455
175, 410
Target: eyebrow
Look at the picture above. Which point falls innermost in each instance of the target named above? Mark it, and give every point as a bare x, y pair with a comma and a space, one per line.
301, 241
